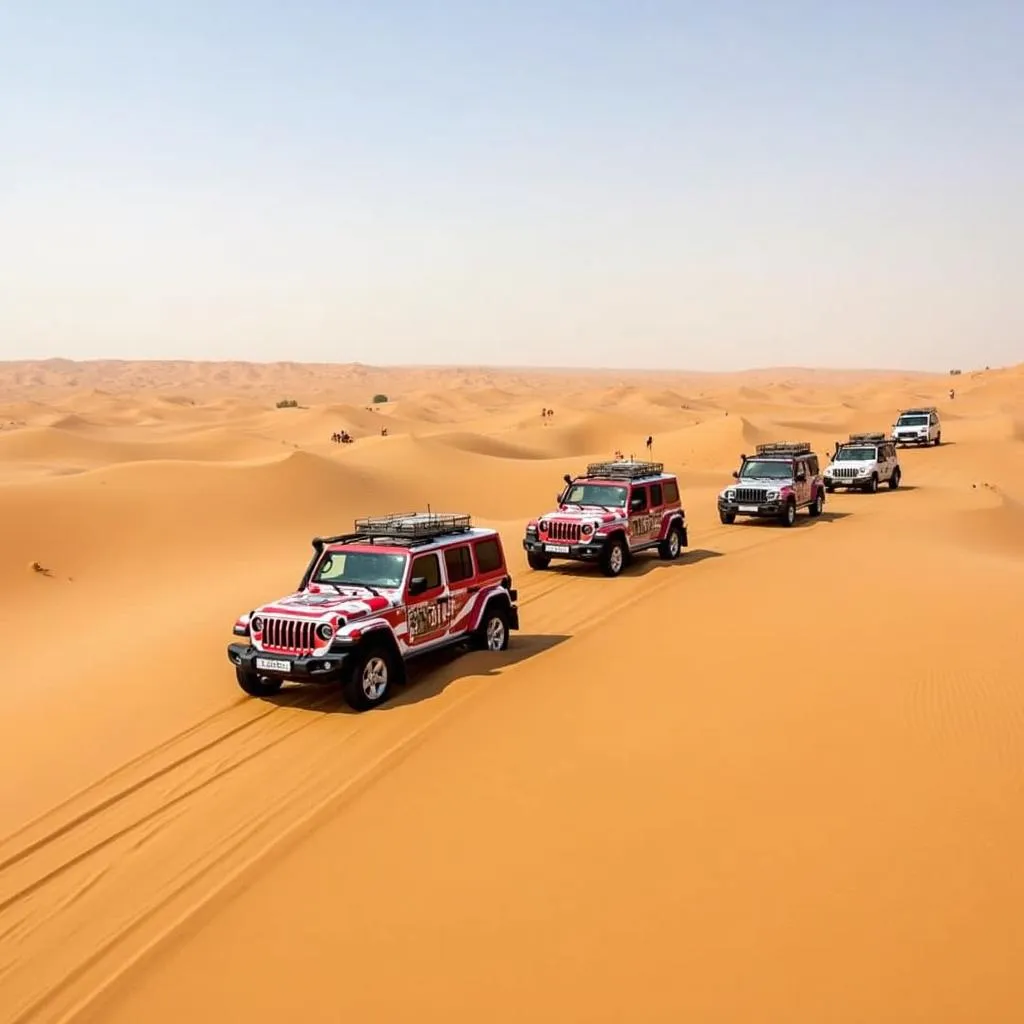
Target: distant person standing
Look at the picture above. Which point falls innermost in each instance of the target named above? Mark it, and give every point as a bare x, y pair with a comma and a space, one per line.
650, 445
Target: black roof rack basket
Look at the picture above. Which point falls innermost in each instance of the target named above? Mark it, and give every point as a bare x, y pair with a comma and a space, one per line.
414, 525
874, 437
786, 449
625, 469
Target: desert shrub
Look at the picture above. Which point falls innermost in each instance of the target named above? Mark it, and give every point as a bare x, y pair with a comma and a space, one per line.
287, 403
378, 399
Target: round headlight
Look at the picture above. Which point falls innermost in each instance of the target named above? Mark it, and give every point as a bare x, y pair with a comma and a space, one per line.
542, 526
256, 624
325, 631
586, 529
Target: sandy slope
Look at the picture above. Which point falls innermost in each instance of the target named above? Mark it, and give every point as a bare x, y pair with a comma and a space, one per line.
778, 781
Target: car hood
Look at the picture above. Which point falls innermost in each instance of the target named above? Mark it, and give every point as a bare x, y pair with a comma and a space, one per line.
326, 604
582, 514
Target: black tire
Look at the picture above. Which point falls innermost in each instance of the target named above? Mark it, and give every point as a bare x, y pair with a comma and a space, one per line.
492, 633
728, 518
614, 557
873, 484
894, 480
830, 488
257, 686
672, 546
938, 439
788, 517
370, 676
817, 506
537, 560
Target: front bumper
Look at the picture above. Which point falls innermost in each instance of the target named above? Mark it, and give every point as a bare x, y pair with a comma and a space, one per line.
590, 551
850, 482
762, 510
299, 668
911, 439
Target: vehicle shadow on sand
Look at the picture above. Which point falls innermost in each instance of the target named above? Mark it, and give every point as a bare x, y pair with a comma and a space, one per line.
641, 565
427, 676
802, 521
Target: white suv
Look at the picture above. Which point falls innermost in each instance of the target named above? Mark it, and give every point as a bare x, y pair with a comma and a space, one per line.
864, 462
918, 426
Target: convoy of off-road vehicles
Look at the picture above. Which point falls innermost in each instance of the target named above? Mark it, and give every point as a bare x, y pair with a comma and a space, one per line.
398, 586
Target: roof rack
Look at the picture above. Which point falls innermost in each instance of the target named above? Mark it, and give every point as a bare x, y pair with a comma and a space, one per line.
413, 525
786, 449
922, 409
625, 469
873, 438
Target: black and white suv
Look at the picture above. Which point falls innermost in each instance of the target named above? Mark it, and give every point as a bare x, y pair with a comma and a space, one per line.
863, 463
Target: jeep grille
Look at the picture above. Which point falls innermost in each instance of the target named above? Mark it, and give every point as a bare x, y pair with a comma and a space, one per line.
844, 471
563, 531
289, 635
753, 495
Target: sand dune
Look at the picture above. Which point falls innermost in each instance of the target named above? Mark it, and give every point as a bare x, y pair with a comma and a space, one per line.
778, 780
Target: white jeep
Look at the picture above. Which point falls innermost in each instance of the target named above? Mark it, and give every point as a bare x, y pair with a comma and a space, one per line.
864, 462
921, 426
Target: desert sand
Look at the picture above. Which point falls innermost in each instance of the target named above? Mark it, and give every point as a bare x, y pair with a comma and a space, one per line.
779, 780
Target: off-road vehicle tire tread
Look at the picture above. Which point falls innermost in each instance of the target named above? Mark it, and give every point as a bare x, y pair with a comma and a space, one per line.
495, 607
352, 686
537, 560
663, 547
256, 685
606, 554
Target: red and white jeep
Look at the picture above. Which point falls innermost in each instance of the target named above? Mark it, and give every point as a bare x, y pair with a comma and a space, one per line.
369, 601
617, 510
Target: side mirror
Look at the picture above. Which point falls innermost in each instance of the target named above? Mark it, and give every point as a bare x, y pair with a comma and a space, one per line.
417, 585
735, 474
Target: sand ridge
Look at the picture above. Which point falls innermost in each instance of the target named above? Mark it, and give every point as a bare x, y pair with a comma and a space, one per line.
778, 780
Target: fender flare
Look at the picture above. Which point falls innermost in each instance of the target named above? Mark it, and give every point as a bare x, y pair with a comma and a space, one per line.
486, 599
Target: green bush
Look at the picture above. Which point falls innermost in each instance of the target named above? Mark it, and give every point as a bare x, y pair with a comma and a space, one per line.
287, 403
378, 399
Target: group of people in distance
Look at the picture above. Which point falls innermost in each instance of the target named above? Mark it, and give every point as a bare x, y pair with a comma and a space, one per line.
344, 437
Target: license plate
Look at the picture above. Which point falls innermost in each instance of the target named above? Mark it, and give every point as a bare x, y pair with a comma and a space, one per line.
273, 665
748, 508
557, 549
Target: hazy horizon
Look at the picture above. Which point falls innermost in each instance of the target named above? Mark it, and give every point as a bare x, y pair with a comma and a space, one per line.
635, 186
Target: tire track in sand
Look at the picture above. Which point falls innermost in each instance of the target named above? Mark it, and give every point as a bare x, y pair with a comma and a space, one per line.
98, 881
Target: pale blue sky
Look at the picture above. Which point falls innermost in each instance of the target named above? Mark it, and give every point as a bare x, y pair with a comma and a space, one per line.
697, 185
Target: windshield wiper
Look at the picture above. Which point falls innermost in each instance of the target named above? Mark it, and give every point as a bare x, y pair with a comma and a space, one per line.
349, 583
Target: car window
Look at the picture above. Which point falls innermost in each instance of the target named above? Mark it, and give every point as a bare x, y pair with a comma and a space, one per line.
458, 563
429, 568
638, 499
671, 492
655, 495
488, 556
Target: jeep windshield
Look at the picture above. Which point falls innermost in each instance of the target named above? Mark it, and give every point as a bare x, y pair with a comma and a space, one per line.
765, 469
855, 455
912, 421
604, 495
360, 569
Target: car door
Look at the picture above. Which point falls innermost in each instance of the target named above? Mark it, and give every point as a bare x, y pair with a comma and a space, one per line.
460, 576
803, 482
885, 451
639, 516
427, 610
